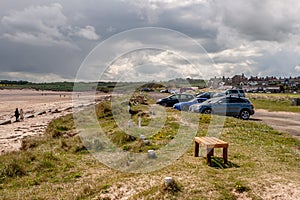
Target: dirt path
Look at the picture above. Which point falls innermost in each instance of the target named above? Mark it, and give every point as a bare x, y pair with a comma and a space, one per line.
287, 122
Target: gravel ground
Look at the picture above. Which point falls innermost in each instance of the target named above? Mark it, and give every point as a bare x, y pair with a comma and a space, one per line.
287, 122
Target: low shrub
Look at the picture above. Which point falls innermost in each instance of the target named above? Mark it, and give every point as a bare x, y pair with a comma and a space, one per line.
12, 169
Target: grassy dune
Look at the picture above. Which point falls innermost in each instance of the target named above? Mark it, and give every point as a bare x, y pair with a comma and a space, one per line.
275, 102
262, 162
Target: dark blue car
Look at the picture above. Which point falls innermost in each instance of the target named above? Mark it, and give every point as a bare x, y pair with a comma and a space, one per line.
227, 105
185, 105
175, 98
206, 95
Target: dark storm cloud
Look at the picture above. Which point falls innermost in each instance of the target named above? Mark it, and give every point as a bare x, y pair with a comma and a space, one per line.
53, 37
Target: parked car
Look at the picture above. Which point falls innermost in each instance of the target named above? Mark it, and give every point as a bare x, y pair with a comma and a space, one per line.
185, 105
231, 92
173, 92
175, 98
219, 94
235, 92
206, 95
227, 105
164, 91
146, 90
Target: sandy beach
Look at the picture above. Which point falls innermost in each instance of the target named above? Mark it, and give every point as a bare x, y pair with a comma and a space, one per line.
40, 107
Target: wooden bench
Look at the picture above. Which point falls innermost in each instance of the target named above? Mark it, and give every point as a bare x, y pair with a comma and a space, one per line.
210, 143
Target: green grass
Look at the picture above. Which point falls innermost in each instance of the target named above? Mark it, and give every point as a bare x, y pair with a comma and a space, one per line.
275, 102
275, 105
57, 166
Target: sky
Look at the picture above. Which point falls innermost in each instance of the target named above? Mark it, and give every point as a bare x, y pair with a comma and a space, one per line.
67, 40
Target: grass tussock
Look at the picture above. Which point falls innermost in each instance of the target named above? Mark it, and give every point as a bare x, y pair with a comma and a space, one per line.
12, 169
103, 109
58, 127
172, 187
241, 187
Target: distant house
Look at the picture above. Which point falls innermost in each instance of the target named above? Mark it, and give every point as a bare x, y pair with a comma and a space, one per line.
272, 80
258, 84
214, 82
294, 82
239, 80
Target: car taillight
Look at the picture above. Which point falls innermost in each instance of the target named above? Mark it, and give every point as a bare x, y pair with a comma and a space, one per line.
252, 106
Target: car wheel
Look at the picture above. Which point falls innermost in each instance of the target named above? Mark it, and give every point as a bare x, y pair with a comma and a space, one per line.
207, 111
245, 114
164, 104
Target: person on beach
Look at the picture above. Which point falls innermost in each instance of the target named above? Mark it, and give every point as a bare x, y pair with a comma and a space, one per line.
17, 114
21, 114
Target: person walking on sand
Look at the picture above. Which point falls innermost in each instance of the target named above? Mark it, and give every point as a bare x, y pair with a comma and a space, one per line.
21, 114
17, 114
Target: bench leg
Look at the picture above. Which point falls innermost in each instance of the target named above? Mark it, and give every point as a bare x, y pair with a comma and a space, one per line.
210, 153
196, 150
225, 155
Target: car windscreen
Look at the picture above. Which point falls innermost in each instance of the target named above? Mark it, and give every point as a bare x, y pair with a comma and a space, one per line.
173, 97
214, 100
193, 100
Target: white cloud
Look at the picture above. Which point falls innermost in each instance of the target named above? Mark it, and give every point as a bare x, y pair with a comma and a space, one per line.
241, 52
88, 33
39, 39
236, 60
297, 68
260, 20
166, 4
154, 64
40, 24
43, 26
150, 10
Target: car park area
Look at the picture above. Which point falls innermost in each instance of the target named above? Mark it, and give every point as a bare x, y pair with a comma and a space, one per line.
231, 102
228, 105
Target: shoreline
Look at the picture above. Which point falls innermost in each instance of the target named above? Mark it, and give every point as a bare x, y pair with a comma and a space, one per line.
40, 108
